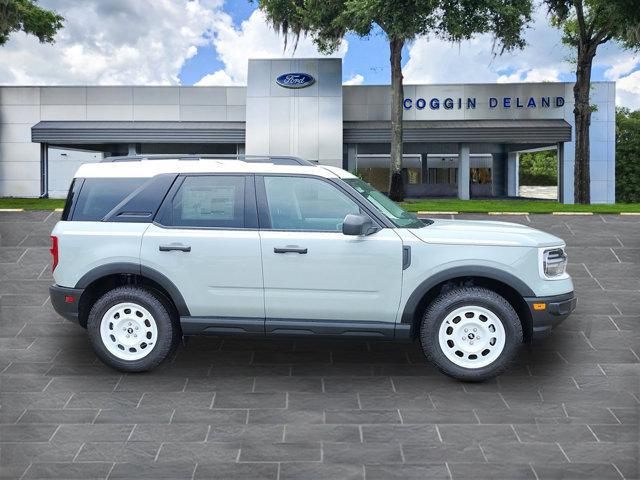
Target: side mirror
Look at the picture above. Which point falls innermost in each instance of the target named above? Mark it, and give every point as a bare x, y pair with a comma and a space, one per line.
356, 224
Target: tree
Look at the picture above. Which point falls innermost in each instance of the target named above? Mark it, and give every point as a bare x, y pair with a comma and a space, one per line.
627, 156
28, 17
539, 168
327, 21
587, 24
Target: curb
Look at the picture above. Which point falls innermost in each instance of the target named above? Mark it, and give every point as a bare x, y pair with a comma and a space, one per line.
436, 213
508, 213
11, 209
571, 213
630, 214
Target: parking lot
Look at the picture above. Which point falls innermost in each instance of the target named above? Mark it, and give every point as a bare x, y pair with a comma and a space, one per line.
569, 408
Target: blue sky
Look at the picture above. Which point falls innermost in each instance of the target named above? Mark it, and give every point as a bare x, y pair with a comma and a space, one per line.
208, 42
365, 56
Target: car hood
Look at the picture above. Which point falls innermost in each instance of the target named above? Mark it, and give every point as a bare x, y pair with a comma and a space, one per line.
471, 232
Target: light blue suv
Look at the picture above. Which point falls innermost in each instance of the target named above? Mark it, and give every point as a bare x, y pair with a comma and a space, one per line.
152, 249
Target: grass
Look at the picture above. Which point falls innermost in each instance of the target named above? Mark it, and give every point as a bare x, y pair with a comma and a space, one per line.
530, 206
440, 205
31, 203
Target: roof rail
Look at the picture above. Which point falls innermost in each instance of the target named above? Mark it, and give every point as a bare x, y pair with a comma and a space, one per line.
274, 159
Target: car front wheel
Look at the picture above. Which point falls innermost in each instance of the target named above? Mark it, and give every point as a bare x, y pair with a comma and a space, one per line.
470, 333
131, 330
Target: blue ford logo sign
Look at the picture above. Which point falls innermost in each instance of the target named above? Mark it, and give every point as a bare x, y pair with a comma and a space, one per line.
295, 80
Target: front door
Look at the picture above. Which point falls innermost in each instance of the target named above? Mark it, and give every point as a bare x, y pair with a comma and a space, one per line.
205, 240
312, 271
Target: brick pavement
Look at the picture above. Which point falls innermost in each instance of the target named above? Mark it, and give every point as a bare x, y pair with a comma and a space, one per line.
229, 408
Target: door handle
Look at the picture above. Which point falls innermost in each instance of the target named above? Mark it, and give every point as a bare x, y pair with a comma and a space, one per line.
169, 248
290, 249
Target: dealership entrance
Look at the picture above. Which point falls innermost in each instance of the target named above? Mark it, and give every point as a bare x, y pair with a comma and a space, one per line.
460, 140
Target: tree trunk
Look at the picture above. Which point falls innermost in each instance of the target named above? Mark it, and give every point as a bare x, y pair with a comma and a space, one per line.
582, 114
396, 186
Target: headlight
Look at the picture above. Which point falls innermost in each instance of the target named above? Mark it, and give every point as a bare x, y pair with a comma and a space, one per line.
554, 262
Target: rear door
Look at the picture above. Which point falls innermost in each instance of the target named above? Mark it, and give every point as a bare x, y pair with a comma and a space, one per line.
205, 240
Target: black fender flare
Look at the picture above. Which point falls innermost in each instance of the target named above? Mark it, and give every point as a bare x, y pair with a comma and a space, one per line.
136, 269
491, 273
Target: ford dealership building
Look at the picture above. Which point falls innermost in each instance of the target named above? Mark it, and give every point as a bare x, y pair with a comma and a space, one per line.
459, 139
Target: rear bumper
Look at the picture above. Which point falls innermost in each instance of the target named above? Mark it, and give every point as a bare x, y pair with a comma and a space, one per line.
557, 309
66, 301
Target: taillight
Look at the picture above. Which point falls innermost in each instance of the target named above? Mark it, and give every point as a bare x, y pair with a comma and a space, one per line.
54, 252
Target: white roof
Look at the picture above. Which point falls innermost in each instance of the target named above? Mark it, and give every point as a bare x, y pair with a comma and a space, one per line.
149, 168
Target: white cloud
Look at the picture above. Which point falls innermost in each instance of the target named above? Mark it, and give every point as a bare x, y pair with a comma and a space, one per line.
628, 91
253, 39
531, 75
625, 63
217, 78
436, 61
114, 42
357, 79
545, 58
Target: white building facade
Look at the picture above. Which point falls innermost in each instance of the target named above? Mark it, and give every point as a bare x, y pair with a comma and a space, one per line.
460, 140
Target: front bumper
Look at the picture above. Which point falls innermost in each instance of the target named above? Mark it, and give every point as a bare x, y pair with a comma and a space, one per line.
557, 309
66, 301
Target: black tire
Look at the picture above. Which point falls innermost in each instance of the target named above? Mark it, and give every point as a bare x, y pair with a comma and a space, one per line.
168, 330
449, 301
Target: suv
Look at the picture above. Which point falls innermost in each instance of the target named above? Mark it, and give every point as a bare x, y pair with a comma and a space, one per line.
153, 249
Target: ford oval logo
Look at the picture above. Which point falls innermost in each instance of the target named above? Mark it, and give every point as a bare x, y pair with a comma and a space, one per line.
295, 80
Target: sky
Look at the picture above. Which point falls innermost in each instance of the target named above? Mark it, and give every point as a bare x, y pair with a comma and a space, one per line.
208, 42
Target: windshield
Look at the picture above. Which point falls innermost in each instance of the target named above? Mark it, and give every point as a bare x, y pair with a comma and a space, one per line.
388, 207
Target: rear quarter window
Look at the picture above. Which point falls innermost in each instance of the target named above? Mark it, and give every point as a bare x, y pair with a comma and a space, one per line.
99, 196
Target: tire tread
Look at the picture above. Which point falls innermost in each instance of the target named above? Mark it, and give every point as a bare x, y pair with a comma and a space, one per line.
165, 345
458, 296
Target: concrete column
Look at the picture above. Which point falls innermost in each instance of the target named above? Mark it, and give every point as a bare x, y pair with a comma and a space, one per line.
499, 174
424, 167
352, 152
463, 171
513, 167
561, 173
132, 149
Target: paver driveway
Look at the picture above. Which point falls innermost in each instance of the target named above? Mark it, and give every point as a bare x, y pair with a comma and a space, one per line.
318, 409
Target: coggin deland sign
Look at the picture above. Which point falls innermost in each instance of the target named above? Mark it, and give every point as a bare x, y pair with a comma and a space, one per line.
469, 103
302, 80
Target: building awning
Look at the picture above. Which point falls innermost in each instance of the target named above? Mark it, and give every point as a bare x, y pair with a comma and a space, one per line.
58, 132
449, 131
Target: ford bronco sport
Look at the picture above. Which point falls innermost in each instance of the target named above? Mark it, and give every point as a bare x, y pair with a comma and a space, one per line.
149, 250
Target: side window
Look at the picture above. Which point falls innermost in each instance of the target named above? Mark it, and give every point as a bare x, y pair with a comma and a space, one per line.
98, 196
208, 201
302, 203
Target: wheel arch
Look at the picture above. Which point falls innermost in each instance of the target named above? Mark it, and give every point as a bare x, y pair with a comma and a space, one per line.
105, 277
505, 284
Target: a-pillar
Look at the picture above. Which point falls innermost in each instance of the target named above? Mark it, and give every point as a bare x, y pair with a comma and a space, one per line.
463, 171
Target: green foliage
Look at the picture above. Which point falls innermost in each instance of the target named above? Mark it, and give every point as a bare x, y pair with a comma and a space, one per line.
28, 17
539, 168
327, 21
597, 21
627, 155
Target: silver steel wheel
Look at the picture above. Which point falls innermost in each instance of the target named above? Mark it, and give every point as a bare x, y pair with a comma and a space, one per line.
472, 337
128, 331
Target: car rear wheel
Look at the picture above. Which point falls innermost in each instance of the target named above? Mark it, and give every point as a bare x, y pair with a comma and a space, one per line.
470, 333
131, 329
